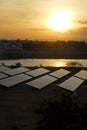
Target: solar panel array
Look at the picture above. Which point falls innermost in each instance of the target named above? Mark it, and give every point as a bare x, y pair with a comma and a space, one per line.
82, 74
40, 77
42, 81
60, 73
37, 72
71, 84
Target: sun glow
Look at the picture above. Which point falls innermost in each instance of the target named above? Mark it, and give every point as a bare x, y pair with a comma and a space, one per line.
60, 64
61, 21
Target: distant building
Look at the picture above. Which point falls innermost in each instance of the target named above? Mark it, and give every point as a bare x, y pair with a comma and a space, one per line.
10, 46
13, 46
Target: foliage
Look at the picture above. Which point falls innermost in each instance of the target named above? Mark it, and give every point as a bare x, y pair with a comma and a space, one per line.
63, 115
74, 64
18, 64
35, 45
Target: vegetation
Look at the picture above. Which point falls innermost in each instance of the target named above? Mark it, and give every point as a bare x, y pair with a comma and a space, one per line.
46, 49
19, 107
34, 45
74, 64
59, 45
63, 115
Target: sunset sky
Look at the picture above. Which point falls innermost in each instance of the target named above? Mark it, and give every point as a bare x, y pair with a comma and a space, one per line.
29, 19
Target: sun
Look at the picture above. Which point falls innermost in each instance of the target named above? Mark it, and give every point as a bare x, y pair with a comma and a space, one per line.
61, 21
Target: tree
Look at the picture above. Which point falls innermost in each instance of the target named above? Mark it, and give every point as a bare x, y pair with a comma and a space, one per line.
63, 115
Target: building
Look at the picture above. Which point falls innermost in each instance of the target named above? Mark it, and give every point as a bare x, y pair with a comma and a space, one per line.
13, 46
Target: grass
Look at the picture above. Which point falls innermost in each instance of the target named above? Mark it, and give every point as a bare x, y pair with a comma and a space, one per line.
18, 109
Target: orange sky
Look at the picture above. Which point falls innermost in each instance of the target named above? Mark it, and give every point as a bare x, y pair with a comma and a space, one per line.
27, 19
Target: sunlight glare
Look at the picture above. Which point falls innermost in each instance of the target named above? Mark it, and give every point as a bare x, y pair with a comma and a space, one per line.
61, 21
60, 64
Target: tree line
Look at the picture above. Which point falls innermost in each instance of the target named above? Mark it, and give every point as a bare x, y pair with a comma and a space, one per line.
49, 45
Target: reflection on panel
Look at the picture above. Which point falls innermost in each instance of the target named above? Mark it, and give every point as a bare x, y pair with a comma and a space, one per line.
42, 81
16, 71
60, 73
3, 75
37, 72
11, 81
71, 84
82, 74
4, 68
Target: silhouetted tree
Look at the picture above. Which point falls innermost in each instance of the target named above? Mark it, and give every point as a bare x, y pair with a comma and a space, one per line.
18, 64
74, 64
63, 115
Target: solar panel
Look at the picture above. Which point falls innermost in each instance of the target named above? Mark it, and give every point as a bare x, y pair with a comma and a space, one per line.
60, 73
4, 68
3, 75
11, 81
42, 81
72, 83
37, 72
16, 71
82, 74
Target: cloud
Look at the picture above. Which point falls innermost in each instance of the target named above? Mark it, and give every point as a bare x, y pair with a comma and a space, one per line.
39, 29
82, 31
82, 22
78, 34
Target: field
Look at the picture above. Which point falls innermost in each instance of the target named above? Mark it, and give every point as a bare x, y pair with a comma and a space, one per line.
17, 106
